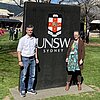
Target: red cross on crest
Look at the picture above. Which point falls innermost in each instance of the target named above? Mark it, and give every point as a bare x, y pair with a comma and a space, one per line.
54, 25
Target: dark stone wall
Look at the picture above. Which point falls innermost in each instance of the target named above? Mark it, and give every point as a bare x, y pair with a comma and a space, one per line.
52, 67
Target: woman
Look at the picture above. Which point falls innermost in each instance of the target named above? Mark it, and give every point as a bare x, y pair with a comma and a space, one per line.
74, 60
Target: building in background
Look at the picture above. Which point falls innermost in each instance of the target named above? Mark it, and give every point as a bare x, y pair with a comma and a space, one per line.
4, 13
16, 2
7, 1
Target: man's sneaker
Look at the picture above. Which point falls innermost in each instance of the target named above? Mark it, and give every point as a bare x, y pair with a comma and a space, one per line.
23, 94
32, 91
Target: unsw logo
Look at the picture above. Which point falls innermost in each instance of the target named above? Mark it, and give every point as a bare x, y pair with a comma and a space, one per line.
54, 25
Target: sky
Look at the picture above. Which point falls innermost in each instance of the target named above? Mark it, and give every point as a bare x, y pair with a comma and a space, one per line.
55, 1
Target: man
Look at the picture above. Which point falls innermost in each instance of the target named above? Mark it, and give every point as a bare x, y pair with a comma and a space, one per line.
11, 33
16, 34
75, 59
27, 57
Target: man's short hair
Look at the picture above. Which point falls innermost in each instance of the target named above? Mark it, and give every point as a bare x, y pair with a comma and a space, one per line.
30, 26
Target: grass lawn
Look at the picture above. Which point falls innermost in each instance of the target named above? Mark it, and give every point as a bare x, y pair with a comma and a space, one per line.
95, 39
9, 70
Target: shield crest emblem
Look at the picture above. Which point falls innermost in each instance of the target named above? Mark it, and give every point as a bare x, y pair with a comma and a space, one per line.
54, 25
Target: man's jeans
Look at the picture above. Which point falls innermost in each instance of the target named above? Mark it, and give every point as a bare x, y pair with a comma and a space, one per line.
27, 62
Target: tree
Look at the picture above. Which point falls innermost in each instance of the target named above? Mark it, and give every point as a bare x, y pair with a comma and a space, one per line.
88, 13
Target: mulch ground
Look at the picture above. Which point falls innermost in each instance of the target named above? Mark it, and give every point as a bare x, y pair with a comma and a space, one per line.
13, 53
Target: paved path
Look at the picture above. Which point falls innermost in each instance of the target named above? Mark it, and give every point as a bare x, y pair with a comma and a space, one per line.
47, 93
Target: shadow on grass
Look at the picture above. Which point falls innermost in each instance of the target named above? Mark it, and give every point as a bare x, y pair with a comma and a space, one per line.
11, 46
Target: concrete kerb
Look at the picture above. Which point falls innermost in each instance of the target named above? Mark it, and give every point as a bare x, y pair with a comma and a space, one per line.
52, 92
